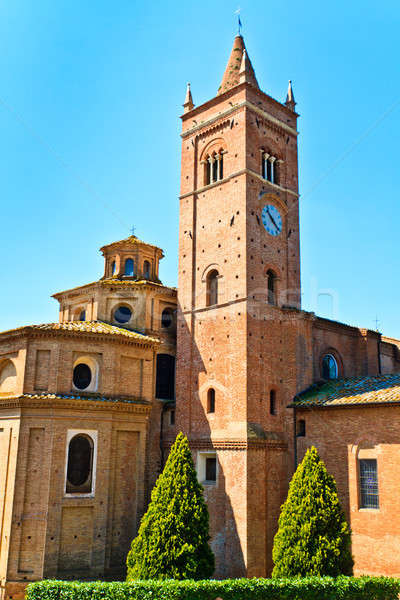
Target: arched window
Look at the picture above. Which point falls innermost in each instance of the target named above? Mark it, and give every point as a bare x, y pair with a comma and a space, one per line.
269, 170
8, 377
113, 267
272, 402
82, 315
211, 400
165, 377
122, 314
146, 269
129, 267
167, 318
212, 288
271, 286
330, 368
214, 167
80, 465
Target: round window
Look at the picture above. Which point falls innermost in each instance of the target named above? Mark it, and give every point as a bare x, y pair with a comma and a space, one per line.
122, 314
329, 367
82, 376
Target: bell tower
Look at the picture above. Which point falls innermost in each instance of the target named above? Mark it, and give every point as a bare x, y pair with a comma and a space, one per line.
239, 307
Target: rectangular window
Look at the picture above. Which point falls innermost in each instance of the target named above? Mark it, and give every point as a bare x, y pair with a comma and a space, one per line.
369, 495
269, 171
301, 428
211, 468
215, 170
207, 467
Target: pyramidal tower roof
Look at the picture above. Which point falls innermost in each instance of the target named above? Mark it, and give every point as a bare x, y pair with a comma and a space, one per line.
234, 73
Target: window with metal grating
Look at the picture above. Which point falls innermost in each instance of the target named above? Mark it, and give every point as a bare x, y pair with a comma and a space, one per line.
369, 494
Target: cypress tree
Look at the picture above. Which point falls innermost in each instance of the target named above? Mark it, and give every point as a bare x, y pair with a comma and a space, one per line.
172, 542
313, 536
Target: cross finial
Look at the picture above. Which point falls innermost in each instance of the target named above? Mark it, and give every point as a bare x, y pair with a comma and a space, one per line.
237, 12
377, 323
133, 230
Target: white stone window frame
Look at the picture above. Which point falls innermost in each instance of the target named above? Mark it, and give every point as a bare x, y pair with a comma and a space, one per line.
93, 434
201, 467
93, 365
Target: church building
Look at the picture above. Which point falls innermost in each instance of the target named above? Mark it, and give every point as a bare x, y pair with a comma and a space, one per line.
90, 406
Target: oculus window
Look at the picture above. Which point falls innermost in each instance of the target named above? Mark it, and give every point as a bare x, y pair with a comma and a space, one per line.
82, 376
122, 314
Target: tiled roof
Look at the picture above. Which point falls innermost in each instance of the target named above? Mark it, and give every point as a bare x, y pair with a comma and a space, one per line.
379, 389
96, 327
131, 282
132, 240
92, 397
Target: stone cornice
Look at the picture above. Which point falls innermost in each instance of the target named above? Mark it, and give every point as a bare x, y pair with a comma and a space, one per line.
55, 401
283, 127
327, 324
71, 293
232, 92
234, 445
238, 174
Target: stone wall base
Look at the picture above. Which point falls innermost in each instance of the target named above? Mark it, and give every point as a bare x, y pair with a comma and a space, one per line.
13, 590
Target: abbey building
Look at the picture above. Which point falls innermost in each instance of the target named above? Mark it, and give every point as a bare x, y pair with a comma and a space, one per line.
90, 405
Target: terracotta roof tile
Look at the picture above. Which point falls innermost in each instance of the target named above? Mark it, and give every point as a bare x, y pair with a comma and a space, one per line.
131, 240
91, 397
96, 327
376, 389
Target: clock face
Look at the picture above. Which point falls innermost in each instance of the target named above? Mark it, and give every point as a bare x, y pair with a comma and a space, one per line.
271, 219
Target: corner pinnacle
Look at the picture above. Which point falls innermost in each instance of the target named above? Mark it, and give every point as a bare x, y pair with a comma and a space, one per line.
188, 104
290, 101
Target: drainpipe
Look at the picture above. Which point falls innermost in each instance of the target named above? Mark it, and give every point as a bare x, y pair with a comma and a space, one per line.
295, 438
163, 409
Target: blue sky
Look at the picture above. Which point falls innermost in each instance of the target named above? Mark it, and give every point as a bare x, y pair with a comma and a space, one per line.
90, 98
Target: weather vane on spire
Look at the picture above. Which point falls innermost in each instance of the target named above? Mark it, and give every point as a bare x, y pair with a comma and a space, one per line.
237, 12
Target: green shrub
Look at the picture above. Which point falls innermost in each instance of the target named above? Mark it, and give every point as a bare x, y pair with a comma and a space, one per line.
313, 537
309, 588
172, 542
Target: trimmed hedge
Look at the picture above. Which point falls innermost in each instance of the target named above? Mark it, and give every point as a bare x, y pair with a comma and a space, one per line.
307, 588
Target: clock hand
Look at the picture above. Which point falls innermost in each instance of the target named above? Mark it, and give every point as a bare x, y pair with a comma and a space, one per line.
272, 219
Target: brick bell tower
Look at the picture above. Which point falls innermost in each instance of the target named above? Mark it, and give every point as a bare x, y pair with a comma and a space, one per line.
240, 324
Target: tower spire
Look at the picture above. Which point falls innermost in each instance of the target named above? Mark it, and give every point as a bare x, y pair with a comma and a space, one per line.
188, 104
239, 67
290, 101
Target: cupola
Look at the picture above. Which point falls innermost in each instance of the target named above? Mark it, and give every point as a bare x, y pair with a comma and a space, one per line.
131, 259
